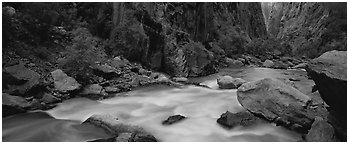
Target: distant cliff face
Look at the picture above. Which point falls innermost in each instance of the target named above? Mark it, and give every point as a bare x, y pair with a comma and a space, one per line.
310, 28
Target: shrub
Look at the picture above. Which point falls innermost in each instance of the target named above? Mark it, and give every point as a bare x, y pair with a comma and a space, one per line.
81, 55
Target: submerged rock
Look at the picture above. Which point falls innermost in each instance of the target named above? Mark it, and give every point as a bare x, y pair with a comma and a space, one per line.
321, 131
113, 126
227, 82
277, 102
173, 119
243, 118
64, 83
18, 79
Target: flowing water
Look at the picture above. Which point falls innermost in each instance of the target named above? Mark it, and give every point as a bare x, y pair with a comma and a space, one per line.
146, 107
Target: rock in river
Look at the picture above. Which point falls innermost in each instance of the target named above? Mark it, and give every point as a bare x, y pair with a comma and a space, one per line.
114, 126
227, 82
243, 118
277, 102
173, 119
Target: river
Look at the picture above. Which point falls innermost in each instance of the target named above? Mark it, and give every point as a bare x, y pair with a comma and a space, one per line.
148, 107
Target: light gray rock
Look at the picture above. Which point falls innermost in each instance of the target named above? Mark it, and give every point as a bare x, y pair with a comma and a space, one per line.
227, 82
268, 63
64, 83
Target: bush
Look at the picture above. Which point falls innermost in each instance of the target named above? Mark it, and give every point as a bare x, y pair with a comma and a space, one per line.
84, 52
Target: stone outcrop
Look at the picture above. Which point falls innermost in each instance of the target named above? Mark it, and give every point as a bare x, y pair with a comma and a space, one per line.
18, 79
122, 132
277, 102
329, 72
13, 105
63, 83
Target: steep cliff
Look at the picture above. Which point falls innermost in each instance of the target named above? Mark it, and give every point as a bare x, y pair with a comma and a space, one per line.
178, 38
309, 28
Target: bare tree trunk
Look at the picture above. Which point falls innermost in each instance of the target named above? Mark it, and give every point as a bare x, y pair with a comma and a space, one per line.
118, 13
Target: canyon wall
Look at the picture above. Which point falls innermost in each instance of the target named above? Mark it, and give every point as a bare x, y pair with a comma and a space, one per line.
187, 38
309, 28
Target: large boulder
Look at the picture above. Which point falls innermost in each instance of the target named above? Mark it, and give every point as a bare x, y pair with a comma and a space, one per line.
321, 131
228, 82
18, 79
64, 83
277, 102
329, 72
13, 105
114, 126
243, 118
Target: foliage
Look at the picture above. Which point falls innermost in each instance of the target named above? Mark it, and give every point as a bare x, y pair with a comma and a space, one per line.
84, 53
260, 46
128, 39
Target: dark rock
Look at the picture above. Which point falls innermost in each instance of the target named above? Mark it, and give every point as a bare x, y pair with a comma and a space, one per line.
173, 119
63, 83
227, 82
277, 102
13, 104
329, 72
19, 80
113, 126
321, 131
243, 118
